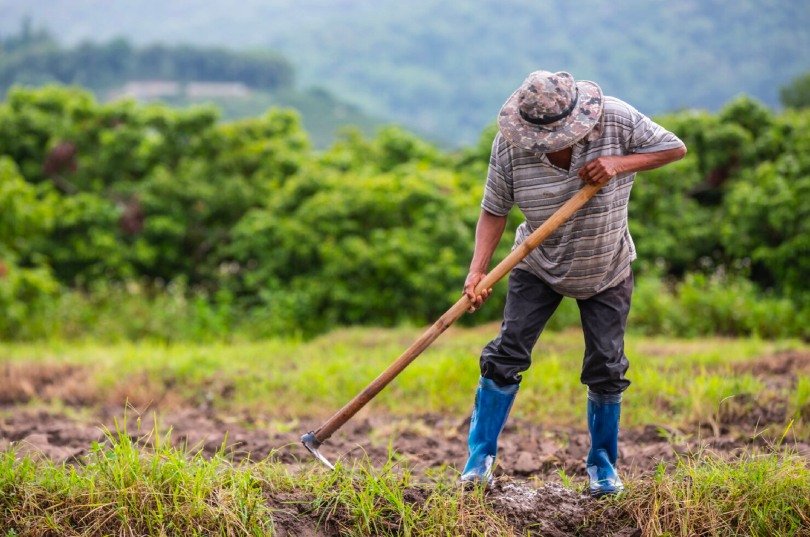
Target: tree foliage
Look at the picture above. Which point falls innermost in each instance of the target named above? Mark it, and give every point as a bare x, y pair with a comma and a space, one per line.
797, 93
246, 217
26, 213
768, 211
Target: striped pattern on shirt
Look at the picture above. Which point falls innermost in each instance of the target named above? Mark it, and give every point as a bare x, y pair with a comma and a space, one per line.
591, 251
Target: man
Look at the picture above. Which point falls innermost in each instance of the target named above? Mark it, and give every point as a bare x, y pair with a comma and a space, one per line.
555, 133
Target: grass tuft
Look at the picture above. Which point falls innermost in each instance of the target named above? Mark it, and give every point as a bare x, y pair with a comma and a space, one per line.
125, 487
705, 494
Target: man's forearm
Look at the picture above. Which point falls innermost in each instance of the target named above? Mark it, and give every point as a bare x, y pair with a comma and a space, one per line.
602, 169
639, 162
488, 234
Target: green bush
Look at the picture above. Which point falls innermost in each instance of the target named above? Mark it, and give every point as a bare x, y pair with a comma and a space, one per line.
124, 221
715, 304
382, 248
768, 216
140, 310
26, 292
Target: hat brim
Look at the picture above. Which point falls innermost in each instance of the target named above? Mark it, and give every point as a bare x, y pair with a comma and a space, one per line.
559, 135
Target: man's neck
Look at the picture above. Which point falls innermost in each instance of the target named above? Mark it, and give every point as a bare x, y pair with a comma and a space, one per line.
561, 158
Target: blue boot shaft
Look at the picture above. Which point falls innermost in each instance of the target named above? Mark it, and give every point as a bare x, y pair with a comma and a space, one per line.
492, 406
603, 426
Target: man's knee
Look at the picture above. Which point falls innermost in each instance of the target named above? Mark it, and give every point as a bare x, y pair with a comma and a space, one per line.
504, 363
604, 374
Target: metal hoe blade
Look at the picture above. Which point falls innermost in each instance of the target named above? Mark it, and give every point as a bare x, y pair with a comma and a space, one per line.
312, 444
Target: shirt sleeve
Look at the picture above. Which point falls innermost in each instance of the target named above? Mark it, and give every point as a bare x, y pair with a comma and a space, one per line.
498, 192
647, 136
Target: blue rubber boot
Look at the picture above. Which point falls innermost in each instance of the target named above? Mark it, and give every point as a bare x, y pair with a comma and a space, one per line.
603, 425
492, 405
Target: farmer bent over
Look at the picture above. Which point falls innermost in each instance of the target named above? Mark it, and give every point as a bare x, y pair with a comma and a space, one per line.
555, 133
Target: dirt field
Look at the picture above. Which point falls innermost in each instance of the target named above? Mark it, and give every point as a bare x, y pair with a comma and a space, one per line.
528, 492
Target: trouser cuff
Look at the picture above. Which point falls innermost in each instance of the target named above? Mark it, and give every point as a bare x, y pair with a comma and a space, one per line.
489, 384
605, 398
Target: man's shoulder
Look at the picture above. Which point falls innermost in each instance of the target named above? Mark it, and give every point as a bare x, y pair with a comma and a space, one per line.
507, 151
502, 148
617, 108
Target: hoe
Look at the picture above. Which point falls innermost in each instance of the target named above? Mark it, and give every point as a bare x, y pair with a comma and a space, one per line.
314, 439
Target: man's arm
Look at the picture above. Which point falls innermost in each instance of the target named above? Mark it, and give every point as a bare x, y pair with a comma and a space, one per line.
488, 234
602, 169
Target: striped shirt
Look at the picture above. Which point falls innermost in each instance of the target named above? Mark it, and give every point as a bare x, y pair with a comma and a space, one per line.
592, 250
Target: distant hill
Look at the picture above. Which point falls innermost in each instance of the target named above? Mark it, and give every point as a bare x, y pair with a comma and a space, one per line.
239, 83
444, 67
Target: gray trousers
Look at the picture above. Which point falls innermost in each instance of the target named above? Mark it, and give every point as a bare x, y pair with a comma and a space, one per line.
530, 304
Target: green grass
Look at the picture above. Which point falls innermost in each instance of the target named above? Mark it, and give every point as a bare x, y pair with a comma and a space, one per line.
147, 487
675, 382
124, 489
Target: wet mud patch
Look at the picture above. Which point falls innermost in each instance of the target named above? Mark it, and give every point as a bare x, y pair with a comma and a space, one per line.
506, 507
431, 445
47, 435
553, 510
293, 515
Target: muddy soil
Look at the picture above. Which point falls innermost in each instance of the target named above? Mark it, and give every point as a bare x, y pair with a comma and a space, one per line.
427, 443
528, 492
533, 459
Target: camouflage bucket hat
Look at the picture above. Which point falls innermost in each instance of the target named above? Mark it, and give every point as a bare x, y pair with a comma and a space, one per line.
550, 111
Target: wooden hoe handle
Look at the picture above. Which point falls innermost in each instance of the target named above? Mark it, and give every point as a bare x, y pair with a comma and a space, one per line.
450, 316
